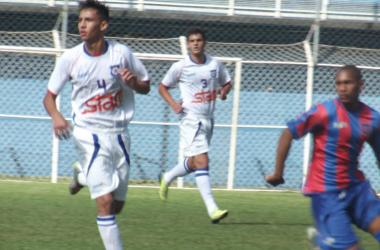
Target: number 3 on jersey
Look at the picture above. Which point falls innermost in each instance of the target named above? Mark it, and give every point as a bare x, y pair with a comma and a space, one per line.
204, 83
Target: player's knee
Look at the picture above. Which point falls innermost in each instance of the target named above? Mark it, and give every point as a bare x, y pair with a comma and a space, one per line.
104, 204
200, 161
374, 227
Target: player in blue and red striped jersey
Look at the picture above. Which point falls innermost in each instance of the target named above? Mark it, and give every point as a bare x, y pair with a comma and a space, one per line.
340, 194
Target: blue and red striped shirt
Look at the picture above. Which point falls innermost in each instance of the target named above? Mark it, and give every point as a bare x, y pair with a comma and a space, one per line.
338, 138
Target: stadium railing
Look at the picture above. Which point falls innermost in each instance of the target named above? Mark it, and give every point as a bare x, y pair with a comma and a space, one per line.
309, 9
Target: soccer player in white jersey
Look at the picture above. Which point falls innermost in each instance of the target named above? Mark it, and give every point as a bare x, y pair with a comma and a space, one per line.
200, 78
104, 75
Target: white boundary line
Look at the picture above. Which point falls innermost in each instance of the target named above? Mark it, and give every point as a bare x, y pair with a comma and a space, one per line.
176, 188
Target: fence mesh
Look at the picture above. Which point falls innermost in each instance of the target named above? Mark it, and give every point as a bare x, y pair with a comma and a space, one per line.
270, 95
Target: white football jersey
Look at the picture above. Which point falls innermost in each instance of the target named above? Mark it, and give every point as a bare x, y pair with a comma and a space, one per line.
100, 99
198, 83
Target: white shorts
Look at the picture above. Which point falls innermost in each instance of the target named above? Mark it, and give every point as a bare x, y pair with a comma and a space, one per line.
195, 133
105, 162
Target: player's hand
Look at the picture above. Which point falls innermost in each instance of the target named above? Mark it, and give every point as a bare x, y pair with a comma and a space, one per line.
222, 94
128, 77
177, 107
274, 180
62, 128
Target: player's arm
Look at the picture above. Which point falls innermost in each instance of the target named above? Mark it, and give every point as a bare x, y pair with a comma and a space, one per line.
223, 92
57, 80
283, 148
131, 80
224, 81
60, 126
374, 142
134, 74
164, 92
309, 122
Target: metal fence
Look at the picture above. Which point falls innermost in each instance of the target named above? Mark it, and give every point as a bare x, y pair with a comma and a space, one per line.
272, 84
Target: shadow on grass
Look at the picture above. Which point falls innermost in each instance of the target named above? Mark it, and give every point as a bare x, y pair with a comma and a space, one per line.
232, 223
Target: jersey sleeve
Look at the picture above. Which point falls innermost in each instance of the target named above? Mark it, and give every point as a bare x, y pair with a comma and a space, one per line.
374, 140
60, 75
137, 67
307, 122
171, 78
224, 76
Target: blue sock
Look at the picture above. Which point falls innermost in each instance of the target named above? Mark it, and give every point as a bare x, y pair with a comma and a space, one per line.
377, 236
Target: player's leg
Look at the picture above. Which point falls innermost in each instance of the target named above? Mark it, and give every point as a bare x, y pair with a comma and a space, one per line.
366, 210
188, 130
79, 179
84, 148
333, 222
374, 228
107, 225
122, 162
199, 164
180, 170
102, 181
117, 206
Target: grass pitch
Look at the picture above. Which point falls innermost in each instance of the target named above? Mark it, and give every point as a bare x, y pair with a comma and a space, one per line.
43, 216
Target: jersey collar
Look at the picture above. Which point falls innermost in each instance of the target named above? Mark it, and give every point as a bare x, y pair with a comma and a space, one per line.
204, 62
89, 54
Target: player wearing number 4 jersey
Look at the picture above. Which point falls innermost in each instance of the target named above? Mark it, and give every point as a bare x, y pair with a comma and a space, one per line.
201, 79
339, 193
104, 75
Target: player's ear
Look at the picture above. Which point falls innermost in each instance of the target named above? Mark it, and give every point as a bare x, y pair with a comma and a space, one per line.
103, 25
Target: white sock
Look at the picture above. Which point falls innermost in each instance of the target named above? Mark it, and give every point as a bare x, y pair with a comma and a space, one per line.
109, 232
203, 182
80, 176
82, 179
181, 169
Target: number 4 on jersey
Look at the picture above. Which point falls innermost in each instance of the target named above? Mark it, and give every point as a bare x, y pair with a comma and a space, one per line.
102, 84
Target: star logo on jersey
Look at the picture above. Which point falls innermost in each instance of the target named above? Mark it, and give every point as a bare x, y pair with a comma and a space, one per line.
340, 125
115, 70
213, 74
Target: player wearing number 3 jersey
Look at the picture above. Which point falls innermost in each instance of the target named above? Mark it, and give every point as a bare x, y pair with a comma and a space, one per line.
201, 79
104, 75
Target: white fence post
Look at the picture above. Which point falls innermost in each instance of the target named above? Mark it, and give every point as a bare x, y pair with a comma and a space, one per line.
183, 44
324, 9
234, 125
55, 140
308, 103
51, 3
65, 17
140, 5
277, 12
231, 7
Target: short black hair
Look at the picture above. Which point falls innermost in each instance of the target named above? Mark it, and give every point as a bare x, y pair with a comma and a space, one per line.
102, 9
355, 70
195, 30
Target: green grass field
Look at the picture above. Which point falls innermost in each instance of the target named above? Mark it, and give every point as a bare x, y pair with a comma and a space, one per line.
42, 216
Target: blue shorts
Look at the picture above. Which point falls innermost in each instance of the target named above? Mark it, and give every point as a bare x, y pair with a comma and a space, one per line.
334, 212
